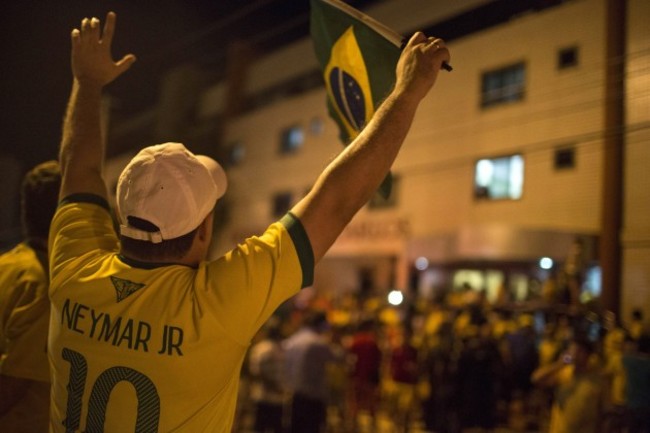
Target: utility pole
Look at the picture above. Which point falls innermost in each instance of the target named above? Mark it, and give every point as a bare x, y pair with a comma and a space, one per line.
613, 146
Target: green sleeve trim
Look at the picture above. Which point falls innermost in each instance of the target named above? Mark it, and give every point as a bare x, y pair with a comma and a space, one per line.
85, 198
303, 247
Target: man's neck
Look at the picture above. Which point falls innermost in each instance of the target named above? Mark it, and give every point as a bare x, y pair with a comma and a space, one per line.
155, 262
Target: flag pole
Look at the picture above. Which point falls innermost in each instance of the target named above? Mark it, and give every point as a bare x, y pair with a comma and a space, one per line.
389, 34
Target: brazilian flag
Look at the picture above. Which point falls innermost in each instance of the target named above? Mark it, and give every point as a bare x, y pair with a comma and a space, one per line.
358, 64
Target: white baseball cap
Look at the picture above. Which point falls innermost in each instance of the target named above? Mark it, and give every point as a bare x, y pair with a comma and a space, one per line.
170, 187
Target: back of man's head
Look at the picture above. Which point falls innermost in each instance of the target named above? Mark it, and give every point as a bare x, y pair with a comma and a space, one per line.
39, 199
163, 195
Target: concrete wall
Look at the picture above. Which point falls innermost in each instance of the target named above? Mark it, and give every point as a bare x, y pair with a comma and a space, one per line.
561, 107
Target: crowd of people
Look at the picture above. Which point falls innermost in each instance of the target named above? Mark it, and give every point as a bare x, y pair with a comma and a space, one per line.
447, 367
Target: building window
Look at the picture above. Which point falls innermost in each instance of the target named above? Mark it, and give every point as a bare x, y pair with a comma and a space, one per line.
281, 203
235, 153
567, 58
379, 202
503, 85
291, 139
316, 126
499, 178
565, 158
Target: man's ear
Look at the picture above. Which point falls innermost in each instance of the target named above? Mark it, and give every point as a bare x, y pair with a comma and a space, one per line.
203, 230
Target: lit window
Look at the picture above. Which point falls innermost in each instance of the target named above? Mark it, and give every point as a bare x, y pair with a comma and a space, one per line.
316, 126
499, 178
291, 139
567, 58
236, 153
503, 85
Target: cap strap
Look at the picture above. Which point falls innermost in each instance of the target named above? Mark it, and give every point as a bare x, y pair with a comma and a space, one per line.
141, 235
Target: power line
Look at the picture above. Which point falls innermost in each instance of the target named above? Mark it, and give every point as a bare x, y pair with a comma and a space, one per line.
590, 141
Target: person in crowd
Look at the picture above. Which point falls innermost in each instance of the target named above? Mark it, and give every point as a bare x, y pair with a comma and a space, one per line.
613, 342
25, 308
478, 366
579, 389
266, 367
308, 354
404, 372
549, 348
636, 327
550, 288
365, 370
522, 359
337, 376
146, 307
439, 409
636, 362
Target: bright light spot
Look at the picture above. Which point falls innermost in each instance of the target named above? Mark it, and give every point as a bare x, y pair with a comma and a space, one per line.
516, 176
594, 281
546, 263
484, 172
421, 263
395, 297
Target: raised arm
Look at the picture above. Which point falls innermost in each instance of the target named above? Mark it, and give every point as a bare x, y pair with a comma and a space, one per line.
351, 179
82, 149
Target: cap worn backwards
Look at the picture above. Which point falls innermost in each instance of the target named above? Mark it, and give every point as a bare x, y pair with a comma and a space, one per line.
169, 187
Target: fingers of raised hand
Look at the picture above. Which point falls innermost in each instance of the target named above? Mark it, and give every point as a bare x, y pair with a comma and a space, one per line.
436, 49
418, 37
435, 42
76, 36
89, 31
109, 28
93, 31
85, 26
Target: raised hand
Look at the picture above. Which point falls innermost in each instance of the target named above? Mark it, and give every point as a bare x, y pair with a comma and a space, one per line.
419, 64
92, 61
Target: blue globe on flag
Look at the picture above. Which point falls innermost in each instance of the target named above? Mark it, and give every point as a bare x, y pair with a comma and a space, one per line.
348, 96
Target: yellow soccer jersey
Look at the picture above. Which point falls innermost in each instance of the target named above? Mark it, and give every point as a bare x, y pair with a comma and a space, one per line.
146, 348
24, 314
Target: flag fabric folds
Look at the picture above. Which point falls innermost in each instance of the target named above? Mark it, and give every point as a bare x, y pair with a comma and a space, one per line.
358, 64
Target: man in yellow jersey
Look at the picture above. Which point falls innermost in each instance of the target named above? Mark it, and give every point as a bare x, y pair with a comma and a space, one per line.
579, 388
146, 334
25, 308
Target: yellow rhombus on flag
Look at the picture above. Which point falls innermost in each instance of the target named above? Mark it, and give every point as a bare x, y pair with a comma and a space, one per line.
358, 65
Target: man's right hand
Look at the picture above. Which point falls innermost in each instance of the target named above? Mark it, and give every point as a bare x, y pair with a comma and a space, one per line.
92, 61
419, 65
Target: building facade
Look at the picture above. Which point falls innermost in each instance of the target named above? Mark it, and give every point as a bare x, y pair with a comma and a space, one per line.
501, 177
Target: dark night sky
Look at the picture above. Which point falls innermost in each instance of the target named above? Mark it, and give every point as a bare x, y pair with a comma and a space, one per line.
34, 38
35, 68
36, 74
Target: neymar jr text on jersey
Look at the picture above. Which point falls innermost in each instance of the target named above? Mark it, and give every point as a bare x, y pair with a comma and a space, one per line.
119, 331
